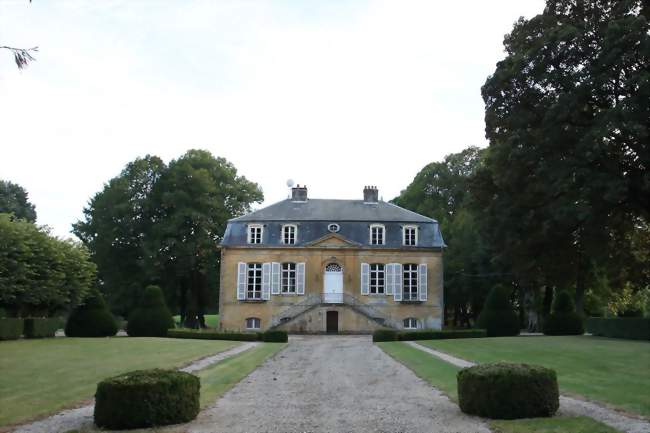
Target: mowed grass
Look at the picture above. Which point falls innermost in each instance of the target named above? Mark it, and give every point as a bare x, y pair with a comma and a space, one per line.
211, 320
442, 375
613, 371
41, 377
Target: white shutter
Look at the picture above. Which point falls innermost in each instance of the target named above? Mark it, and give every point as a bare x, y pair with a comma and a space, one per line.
397, 282
241, 281
422, 282
365, 278
275, 278
388, 278
300, 278
266, 281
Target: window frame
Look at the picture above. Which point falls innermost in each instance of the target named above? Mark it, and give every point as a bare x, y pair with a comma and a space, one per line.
289, 271
383, 234
249, 233
254, 287
253, 319
410, 277
376, 275
410, 320
415, 236
283, 235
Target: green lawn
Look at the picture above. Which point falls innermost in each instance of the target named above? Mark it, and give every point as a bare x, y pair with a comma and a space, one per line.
40, 377
442, 376
211, 320
610, 370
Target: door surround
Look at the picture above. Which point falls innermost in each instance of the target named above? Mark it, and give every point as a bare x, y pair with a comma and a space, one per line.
333, 283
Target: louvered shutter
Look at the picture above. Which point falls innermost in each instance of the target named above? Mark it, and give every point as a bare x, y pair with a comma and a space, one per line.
275, 278
300, 278
388, 279
422, 282
241, 281
365, 278
397, 282
266, 281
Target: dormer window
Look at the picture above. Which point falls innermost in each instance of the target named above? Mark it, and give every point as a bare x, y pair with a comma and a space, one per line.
377, 234
289, 234
410, 236
255, 233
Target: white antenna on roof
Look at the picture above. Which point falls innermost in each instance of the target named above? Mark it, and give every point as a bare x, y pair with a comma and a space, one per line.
289, 185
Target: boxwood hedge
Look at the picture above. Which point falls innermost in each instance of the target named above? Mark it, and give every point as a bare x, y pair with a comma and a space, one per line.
40, 327
633, 328
152, 318
91, 319
146, 398
11, 328
508, 391
564, 320
432, 334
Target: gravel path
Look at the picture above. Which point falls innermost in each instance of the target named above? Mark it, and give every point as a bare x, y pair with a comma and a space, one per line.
568, 405
334, 384
82, 418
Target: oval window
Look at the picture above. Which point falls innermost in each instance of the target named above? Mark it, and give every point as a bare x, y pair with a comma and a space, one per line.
333, 227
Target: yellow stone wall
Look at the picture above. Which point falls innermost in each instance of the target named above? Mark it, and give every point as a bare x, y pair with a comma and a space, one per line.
233, 312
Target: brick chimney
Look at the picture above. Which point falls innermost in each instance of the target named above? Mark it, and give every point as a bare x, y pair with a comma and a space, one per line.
299, 193
370, 194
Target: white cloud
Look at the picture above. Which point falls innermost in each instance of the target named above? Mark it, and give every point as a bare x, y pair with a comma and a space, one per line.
334, 95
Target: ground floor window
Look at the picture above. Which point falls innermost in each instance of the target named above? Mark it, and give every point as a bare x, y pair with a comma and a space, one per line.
253, 323
410, 323
377, 278
254, 287
410, 282
288, 278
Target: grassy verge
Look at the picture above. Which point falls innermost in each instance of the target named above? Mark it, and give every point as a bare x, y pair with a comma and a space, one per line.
41, 377
602, 369
211, 320
219, 378
442, 376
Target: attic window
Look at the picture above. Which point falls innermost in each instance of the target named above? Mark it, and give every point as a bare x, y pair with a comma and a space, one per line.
377, 234
334, 228
255, 234
289, 234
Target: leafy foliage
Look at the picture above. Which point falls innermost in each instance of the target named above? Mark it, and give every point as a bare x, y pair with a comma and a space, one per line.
147, 398
508, 391
14, 200
41, 327
91, 319
564, 320
11, 328
498, 317
40, 274
152, 318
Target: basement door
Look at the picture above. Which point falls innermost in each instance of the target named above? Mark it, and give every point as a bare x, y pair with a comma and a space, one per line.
332, 322
333, 284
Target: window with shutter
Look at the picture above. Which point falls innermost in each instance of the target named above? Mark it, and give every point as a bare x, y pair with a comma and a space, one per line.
289, 278
300, 278
397, 282
275, 278
377, 279
410, 282
422, 282
266, 281
242, 281
254, 281
365, 274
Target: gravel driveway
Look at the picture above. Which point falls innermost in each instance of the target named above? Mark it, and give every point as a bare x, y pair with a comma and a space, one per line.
334, 384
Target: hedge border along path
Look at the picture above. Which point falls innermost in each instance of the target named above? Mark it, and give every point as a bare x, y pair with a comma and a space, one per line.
82, 418
568, 405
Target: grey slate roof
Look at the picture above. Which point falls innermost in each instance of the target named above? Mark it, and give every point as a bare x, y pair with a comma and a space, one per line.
334, 210
353, 216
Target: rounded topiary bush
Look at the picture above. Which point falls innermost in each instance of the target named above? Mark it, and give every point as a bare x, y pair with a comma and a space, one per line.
91, 319
498, 318
147, 398
508, 391
564, 320
152, 318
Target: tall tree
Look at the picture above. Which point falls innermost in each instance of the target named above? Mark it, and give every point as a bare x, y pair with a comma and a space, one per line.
14, 200
567, 118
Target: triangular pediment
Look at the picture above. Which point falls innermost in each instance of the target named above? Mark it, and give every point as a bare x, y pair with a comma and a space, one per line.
333, 240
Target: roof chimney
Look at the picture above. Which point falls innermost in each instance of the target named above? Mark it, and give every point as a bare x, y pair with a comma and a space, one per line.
299, 193
370, 194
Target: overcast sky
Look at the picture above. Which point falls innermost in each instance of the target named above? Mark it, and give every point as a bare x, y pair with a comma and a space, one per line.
332, 94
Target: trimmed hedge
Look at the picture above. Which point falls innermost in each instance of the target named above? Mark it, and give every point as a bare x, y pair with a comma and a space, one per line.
564, 320
274, 336
152, 318
384, 335
146, 398
498, 317
212, 335
633, 328
91, 319
39, 327
441, 334
508, 391
11, 328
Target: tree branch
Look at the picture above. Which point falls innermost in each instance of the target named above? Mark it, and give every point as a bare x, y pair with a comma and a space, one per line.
22, 56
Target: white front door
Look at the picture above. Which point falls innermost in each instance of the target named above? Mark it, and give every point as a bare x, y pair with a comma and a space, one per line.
333, 284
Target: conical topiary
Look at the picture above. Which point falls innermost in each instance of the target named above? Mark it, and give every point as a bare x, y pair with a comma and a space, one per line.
564, 320
498, 318
152, 318
91, 319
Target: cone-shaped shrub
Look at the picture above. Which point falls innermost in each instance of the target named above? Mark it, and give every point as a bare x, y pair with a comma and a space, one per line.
91, 319
152, 318
564, 320
498, 318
